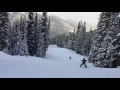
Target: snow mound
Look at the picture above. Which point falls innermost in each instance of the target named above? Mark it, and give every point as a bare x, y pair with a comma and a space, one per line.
3, 55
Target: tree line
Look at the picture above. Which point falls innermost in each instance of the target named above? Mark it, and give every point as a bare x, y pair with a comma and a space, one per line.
27, 36
105, 50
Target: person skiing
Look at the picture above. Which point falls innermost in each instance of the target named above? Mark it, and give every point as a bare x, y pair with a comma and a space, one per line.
70, 58
83, 63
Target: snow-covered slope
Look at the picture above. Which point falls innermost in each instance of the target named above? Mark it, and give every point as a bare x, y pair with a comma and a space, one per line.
55, 65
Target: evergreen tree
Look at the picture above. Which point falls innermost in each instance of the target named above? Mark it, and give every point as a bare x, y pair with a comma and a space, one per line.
10, 36
31, 40
82, 40
112, 35
69, 41
47, 34
16, 47
13, 31
98, 53
36, 31
73, 41
44, 34
4, 31
115, 52
103, 50
89, 42
77, 37
23, 41
40, 38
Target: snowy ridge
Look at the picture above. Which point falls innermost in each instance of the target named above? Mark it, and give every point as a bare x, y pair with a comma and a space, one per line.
55, 65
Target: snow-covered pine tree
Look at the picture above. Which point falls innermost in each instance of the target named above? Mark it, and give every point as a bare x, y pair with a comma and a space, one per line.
98, 52
23, 41
88, 41
115, 52
4, 31
47, 34
82, 40
52, 41
10, 36
59, 41
113, 48
36, 30
31, 34
72, 41
16, 47
63, 40
44, 34
40, 38
69, 43
77, 37
20, 36
66, 40
13, 31
113, 29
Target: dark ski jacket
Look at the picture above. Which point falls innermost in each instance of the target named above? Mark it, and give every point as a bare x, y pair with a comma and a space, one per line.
84, 61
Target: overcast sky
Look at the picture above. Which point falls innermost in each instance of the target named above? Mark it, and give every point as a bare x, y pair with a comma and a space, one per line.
90, 17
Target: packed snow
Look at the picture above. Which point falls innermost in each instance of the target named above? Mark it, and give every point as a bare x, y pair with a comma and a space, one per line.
56, 65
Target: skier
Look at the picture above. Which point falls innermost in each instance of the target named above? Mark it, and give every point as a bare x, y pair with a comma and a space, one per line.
84, 63
70, 58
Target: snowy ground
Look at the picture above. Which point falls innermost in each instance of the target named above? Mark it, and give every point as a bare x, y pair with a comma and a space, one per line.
55, 65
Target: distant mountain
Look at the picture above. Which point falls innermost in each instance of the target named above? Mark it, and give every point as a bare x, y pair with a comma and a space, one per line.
58, 25
72, 22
